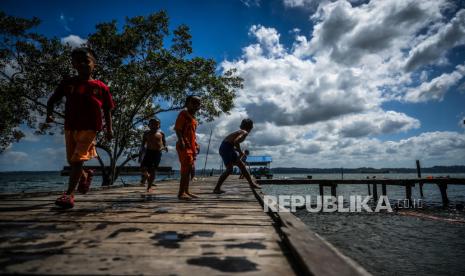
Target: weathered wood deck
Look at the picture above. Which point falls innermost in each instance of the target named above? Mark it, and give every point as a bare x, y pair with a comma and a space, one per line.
125, 231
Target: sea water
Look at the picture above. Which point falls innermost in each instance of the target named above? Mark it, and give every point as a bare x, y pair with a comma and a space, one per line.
391, 243
28, 182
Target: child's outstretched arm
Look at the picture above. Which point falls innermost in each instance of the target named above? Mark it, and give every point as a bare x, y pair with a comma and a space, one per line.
178, 128
181, 141
238, 140
56, 97
163, 139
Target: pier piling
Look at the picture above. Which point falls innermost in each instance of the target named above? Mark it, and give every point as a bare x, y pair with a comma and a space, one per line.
419, 176
445, 199
408, 194
333, 190
375, 192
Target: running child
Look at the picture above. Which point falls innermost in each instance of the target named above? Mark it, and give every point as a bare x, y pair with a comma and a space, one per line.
86, 98
187, 146
153, 142
228, 148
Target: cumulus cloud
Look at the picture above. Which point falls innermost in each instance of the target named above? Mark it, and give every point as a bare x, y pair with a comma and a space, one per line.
312, 4
434, 47
322, 98
383, 28
11, 157
436, 88
375, 123
74, 41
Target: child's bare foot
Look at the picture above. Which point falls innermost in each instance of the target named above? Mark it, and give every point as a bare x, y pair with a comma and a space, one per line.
192, 195
184, 196
218, 191
255, 186
150, 190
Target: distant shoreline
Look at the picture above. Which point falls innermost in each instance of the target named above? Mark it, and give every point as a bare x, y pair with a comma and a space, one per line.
294, 170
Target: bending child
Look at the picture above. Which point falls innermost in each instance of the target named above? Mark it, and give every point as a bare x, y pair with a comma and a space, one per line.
244, 160
85, 100
228, 148
153, 142
187, 146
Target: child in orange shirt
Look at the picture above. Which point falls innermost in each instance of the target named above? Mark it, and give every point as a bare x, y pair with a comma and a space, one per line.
187, 146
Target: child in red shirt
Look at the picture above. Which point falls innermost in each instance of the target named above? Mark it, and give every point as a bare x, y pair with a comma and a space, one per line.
85, 100
187, 146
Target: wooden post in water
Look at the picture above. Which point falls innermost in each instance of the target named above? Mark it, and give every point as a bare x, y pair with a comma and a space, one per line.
333, 189
375, 192
383, 189
369, 190
408, 194
419, 176
445, 200
321, 191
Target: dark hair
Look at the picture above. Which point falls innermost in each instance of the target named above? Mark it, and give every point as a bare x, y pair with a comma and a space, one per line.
246, 152
191, 98
83, 51
246, 124
154, 120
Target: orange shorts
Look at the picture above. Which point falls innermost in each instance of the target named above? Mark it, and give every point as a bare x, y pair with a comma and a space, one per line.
186, 158
80, 145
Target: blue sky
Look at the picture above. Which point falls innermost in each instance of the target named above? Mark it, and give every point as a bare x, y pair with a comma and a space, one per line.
328, 83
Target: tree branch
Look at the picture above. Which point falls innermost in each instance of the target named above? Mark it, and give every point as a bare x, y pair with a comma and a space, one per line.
157, 112
131, 157
103, 147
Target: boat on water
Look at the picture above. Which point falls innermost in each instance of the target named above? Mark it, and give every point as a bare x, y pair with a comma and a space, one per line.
260, 166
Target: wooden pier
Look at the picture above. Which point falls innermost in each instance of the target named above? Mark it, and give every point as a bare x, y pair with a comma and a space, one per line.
442, 184
125, 231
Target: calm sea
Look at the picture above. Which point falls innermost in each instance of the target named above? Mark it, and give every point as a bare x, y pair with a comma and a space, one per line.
391, 243
383, 243
18, 182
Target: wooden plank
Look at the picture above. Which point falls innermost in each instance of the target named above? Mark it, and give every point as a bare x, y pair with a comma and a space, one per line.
125, 231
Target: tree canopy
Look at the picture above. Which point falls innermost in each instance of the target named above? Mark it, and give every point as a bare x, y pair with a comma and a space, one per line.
148, 69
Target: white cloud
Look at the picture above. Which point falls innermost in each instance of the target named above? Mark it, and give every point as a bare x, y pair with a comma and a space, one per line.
436, 88
434, 47
11, 157
312, 4
13, 160
320, 103
74, 41
374, 123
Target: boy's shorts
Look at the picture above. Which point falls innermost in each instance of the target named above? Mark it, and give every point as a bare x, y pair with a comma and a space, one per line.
228, 153
80, 145
151, 159
186, 158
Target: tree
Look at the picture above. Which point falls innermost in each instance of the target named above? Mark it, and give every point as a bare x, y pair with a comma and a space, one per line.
31, 66
145, 78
